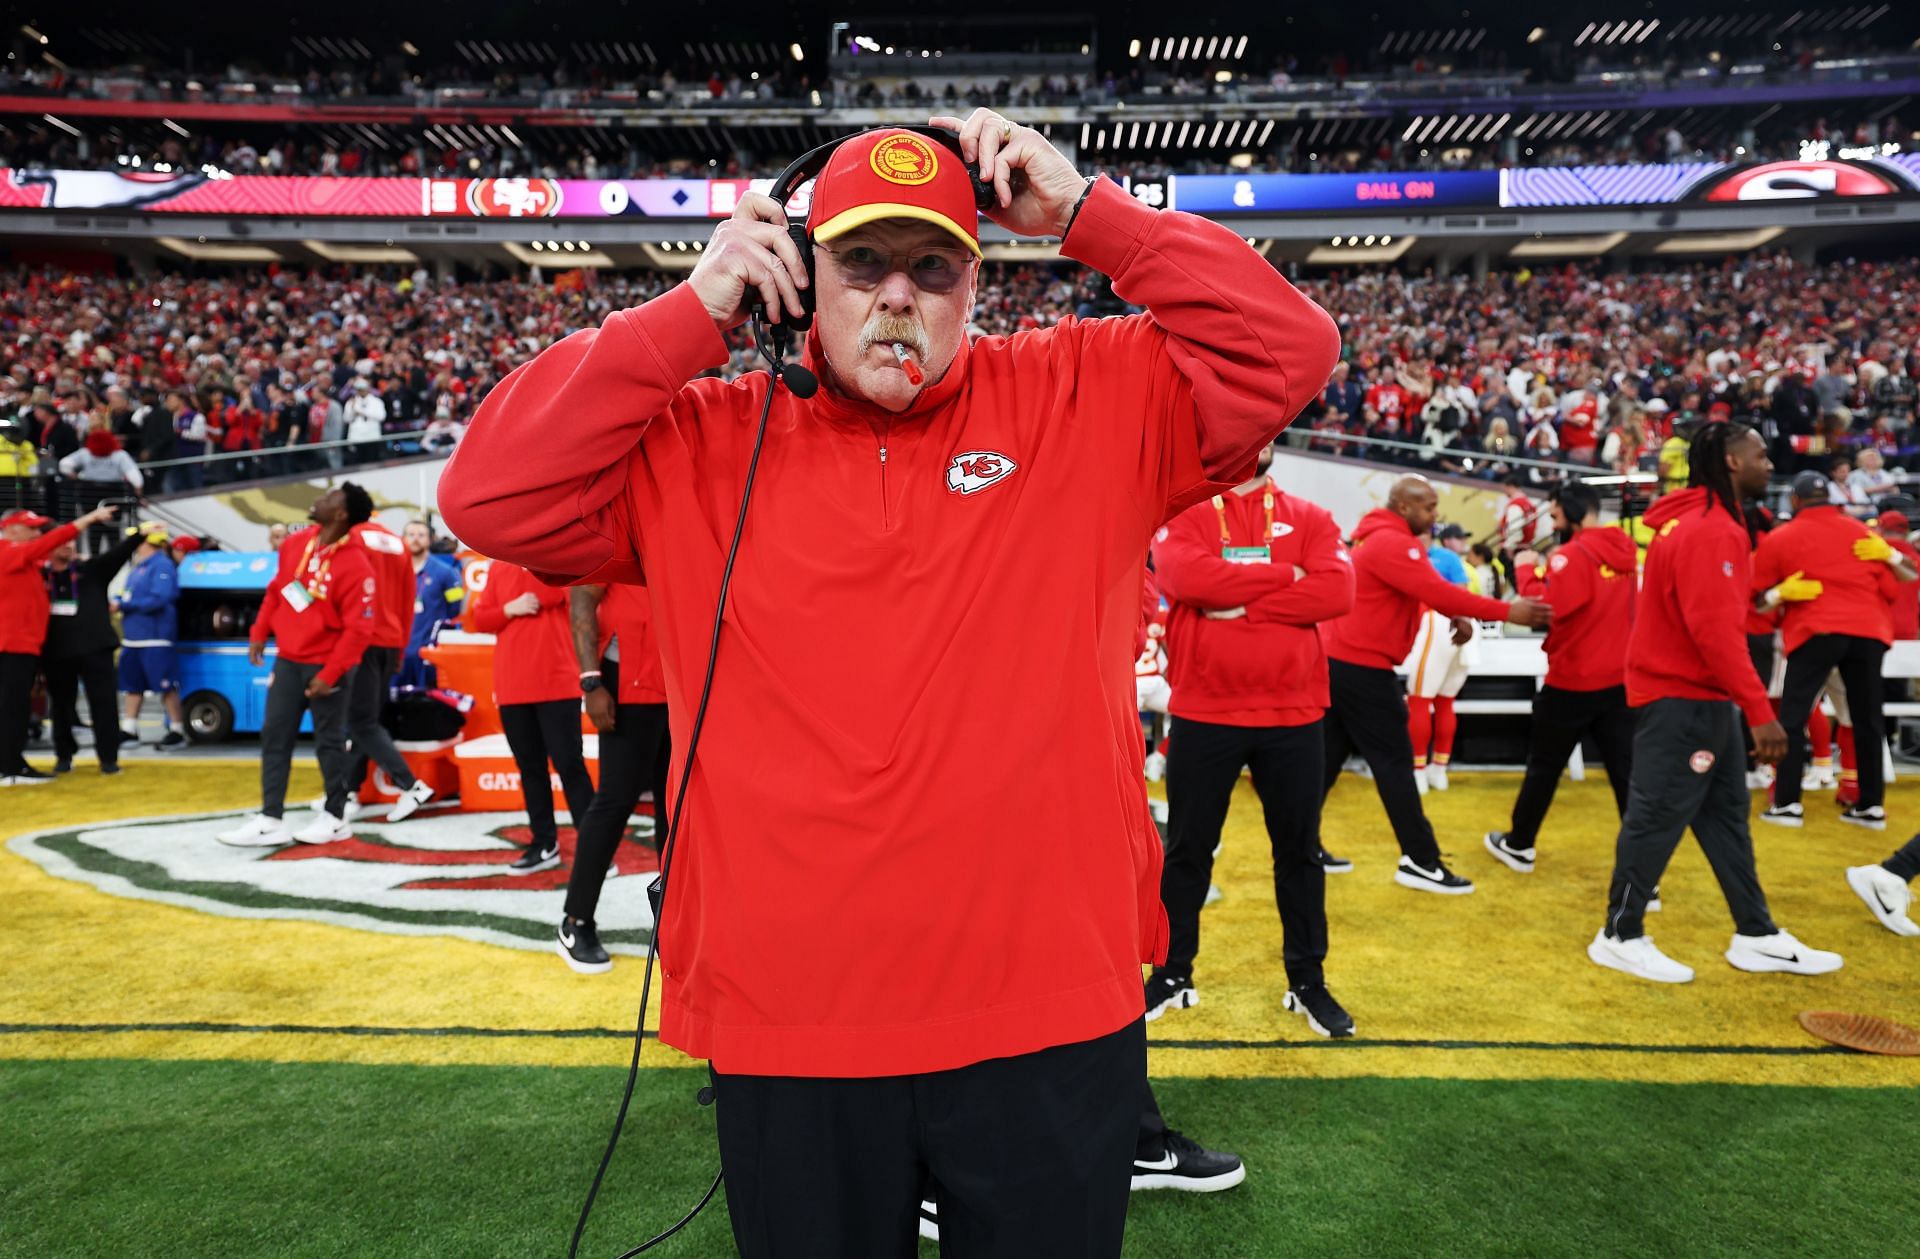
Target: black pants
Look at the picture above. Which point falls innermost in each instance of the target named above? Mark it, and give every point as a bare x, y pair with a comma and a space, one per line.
1032, 1155
65, 676
632, 758
538, 733
1560, 720
1688, 770
1760, 651
1368, 714
16, 700
1204, 760
365, 700
280, 728
1808, 666
1905, 861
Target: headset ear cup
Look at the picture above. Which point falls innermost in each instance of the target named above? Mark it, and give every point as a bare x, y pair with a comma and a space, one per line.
804, 242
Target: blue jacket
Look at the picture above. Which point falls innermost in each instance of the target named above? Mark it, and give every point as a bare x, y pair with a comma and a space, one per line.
147, 609
1449, 565
437, 596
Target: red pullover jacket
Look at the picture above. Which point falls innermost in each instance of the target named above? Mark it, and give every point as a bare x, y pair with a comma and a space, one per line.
1266, 668
393, 583
1906, 604
1393, 580
902, 579
23, 591
1689, 639
627, 612
337, 625
533, 657
1590, 583
1856, 596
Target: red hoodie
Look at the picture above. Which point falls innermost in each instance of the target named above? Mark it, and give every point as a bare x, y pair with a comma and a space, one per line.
902, 579
1689, 638
393, 583
337, 624
1590, 583
533, 657
1393, 581
1856, 596
627, 611
1266, 668
23, 591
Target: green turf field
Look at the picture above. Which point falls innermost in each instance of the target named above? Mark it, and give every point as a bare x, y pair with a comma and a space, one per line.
239, 1159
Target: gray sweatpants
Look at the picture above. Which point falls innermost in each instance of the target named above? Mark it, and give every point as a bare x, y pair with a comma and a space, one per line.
286, 700
1689, 769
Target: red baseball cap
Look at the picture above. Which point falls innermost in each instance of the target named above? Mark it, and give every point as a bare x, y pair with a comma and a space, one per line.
1893, 520
894, 174
188, 545
24, 517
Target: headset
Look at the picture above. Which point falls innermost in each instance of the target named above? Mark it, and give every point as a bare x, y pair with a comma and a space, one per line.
772, 340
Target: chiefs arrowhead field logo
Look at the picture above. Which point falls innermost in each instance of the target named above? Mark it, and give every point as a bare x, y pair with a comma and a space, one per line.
977, 469
430, 875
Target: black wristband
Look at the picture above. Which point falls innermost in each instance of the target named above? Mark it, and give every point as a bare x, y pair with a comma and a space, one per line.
1084, 194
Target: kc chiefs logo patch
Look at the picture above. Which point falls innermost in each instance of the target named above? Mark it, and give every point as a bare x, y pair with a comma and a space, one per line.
977, 469
904, 159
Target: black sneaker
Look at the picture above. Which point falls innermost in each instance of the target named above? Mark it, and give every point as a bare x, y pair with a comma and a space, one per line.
1169, 992
1438, 879
1874, 818
537, 857
171, 741
579, 945
63, 766
1324, 1015
110, 769
1519, 860
30, 773
1332, 864
1181, 1163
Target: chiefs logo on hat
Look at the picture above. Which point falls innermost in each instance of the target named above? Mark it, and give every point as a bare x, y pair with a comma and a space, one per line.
904, 159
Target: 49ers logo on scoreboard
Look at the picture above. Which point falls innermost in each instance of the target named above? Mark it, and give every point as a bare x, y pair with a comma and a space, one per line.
975, 470
1794, 181
513, 198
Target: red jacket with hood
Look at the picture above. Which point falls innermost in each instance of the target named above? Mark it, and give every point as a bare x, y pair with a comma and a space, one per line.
1266, 668
626, 611
1689, 636
394, 589
1590, 583
23, 591
1856, 596
337, 624
1393, 581
533, 656
859, 795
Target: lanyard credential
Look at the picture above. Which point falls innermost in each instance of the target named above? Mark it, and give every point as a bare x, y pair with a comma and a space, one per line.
1261, 554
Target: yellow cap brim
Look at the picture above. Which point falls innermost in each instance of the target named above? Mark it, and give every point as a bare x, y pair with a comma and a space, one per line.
861, 215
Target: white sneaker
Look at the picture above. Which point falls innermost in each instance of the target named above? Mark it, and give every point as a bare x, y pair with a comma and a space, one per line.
26, 780
1437, 776
1816, 779
411, 799
1760, 779
1780, 952
1785, 814
1420, 780
324, 829
258, 831
1637, 957
1158, 808
1213, 894
348, 812
1156, 767
1887, 895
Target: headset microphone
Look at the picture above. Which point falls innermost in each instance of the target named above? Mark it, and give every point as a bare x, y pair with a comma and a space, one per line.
772, 341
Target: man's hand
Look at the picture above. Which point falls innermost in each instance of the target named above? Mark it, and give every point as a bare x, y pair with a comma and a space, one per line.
1462, 630
750, 252
107, 511
319, 686
1874, 549
1532, 613
256, 653
1769, 742
523, 605
1225, 614
600, 710
1036, 185
1527, 559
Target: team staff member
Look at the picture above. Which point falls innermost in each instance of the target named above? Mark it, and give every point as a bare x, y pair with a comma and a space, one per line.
370, 685
1250, 577
1686, 673
79, 649
1848, 627
538, 691
1393, 580
437, 598
1590, 583
626, 699
23, 627
319, 610
149, 619
917, 542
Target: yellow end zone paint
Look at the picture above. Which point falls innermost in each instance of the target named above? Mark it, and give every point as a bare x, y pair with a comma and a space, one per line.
1463, 983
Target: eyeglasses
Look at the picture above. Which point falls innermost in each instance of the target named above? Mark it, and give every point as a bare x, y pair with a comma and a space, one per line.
932, 269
